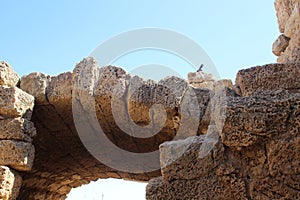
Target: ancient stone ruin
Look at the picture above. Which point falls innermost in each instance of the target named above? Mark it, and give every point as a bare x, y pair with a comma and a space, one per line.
246, 146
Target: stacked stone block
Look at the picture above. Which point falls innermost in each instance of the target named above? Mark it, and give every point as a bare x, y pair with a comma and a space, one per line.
16, 132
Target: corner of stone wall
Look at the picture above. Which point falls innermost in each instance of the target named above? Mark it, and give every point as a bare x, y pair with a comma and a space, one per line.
16, 133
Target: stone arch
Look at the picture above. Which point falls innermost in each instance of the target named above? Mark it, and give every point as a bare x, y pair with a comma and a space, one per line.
62, 162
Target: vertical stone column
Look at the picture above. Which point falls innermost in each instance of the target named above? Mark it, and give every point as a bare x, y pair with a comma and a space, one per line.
16, 132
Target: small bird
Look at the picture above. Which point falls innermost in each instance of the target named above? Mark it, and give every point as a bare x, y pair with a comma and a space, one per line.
200, 68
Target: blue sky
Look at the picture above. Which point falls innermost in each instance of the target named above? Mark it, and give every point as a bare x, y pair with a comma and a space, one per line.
52, 36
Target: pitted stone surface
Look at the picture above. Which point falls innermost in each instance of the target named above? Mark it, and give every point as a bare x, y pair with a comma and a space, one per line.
269, 77
263, 115
15, 103
16, 154
8, 76
17, 129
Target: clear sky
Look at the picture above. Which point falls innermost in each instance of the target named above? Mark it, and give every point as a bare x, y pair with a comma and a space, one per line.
52, 36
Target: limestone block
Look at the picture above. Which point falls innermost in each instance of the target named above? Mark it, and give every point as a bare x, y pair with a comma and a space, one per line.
36, 84
60, 88
10, 183
262, 115
201, 80
203, 188
190, 158
7, 75
280, 45
16, 154
269, 77
17, 129
15, 103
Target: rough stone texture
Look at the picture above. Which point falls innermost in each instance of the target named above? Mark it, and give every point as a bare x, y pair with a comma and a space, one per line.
204, 80
36, 84
16, 154
288, 14
228, 142
262, 115
257, 156
159, 189
72, 163
17, 129
280, 45
10, 183
269, 77
227, 162
184, 160
15, 103
8, 76
201, 80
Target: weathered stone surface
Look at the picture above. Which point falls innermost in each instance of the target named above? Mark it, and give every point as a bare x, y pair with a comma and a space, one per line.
36, 84
293, 21
291, 54
17, 129
16, 154
188, 159
60, 88
280, 45
15, 103
10, 183
284, 9
8, 76
203, 188
257, 155
201, 80
269, 77
288, 14
262, 115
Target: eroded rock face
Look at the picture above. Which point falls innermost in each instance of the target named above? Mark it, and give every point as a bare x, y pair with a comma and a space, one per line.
287, 46
268, 77
256, 156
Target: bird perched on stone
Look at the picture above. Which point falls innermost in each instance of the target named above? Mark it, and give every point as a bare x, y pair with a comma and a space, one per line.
200, 68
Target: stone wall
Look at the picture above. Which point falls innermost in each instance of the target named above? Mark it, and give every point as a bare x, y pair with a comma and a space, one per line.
16, 133
287, 45
245, 147
256, 155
